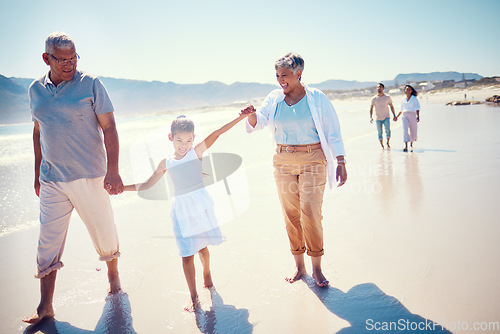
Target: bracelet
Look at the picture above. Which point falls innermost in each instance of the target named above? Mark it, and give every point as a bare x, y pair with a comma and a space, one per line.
341, 162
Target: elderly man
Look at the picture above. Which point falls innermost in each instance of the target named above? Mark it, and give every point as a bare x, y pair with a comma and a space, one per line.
73, 117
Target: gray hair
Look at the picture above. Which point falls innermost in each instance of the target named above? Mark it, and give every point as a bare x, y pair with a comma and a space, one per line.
58, 40
292, 61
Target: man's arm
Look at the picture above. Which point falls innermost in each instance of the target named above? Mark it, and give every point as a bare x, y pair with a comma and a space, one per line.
112, 182
393, 112
38, 156
371, 113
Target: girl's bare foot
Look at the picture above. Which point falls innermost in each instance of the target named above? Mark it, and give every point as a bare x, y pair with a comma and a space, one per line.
297, 276
193, 304
320, 278
40, 314
207, 280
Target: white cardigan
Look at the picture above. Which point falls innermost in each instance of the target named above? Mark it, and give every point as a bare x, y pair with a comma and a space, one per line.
324, 117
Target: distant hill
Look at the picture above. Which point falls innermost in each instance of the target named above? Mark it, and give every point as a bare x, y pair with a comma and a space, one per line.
133, 97
14, 104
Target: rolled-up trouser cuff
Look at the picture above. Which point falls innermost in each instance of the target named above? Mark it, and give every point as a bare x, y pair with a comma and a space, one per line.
109, 257
56, 266
298, 252
315, 254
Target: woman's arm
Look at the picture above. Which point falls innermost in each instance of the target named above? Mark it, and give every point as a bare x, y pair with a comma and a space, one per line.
417, 107
211, 138
260, 119
153, 179
341, 173
252, 120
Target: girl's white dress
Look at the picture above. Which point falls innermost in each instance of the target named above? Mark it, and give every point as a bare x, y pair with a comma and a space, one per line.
193, 217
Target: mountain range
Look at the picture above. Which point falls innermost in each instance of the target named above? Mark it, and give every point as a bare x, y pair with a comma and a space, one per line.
133, 97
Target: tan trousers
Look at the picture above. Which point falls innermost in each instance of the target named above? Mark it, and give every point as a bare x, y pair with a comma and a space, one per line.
57, 201
300, 179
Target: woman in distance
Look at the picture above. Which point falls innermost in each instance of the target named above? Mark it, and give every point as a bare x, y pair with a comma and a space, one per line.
410, 107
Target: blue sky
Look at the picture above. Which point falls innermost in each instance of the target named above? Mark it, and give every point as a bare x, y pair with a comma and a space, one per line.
229, 41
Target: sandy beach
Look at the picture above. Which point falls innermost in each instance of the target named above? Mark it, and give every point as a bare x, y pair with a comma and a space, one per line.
411, 239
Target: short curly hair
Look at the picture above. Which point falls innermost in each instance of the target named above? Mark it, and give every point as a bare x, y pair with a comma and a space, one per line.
292, 61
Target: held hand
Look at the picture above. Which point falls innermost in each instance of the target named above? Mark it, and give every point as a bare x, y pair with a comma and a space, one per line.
395, 118
249, 109
341, 174
113, 183
37, 187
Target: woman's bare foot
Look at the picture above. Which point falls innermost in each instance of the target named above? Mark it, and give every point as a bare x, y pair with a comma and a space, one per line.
193, 304
207, 280
297, 276
320, 279
40, 314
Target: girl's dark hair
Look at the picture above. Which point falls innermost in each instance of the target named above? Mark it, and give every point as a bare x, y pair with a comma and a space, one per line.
181, 124
413, 91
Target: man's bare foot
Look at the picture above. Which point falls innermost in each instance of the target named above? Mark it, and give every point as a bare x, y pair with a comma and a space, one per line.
207, 280
193, 304
40, 315
320, 279
297, 276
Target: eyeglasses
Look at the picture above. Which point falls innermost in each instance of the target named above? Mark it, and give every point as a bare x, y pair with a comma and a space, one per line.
64, 62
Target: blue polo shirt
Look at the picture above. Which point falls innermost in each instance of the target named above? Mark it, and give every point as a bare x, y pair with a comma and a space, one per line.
70, 135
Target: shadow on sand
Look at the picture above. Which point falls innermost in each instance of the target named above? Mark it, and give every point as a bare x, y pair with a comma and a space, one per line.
222, 318
369, 310
116, 318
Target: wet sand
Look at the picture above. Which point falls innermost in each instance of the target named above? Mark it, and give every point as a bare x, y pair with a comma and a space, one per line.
411, 236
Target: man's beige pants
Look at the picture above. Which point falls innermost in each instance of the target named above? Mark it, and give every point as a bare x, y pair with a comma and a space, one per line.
91, 201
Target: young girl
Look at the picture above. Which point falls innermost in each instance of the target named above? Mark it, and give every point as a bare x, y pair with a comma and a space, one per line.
193, 217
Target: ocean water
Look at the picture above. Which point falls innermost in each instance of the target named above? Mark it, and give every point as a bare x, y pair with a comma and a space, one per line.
143, 143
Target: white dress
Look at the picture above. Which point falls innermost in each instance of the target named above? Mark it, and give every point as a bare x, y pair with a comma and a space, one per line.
193, 217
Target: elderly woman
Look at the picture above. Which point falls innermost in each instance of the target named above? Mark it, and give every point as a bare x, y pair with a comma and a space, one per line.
410, 107
307, 133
